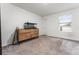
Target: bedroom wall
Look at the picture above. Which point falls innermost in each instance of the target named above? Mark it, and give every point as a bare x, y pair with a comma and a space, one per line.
52, 27
12, 17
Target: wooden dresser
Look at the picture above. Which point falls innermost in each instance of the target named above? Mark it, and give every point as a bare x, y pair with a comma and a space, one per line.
26, 34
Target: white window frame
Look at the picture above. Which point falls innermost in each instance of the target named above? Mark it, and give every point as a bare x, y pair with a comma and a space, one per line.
65, 25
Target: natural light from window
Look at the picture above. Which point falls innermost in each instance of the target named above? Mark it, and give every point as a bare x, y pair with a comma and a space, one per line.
65, 22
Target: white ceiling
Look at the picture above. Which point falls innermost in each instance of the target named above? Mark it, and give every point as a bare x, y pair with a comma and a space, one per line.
44, 9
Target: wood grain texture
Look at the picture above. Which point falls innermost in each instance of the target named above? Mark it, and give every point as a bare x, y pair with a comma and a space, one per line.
25, 34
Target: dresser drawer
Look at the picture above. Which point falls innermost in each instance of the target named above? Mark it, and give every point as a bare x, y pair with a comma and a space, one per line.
24, 31
35, 35
27, 31
24, 37
25, 34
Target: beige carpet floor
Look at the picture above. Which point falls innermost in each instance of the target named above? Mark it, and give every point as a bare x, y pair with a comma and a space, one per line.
43, 45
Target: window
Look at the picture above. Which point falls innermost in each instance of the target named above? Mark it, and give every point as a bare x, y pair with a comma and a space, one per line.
65, 23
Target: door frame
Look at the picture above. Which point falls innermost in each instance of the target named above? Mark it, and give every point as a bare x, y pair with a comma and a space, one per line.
0, 36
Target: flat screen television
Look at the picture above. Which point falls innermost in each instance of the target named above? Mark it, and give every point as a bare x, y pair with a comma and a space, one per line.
28, 25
